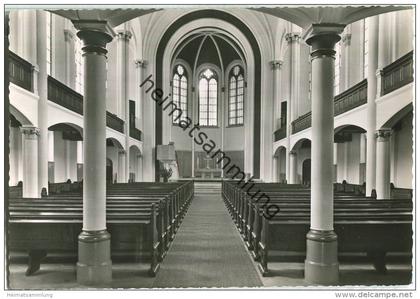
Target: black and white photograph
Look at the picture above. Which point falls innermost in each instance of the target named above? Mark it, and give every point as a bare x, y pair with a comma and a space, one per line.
262, 148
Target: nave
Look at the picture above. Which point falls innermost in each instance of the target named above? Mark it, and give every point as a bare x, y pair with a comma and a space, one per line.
207, 251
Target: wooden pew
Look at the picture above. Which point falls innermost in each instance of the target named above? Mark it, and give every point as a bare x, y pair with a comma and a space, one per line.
139, 222
295, 212
374, 233
135, 233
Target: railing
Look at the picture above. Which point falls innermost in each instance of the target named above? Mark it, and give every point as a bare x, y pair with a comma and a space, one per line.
353, 97
397, 74
114, 122
136, 133
302, 122
64, 96
280, 134
20, 72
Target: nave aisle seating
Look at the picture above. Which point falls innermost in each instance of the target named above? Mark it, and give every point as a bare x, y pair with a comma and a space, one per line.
363, 225
142, 222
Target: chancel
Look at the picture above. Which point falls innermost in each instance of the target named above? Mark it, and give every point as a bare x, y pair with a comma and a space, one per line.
209, 147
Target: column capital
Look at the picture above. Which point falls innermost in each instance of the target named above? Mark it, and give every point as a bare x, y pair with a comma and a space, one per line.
293, 153
276, 64
122, 152
95, 35
346, 39
30, 132
322, 39
383, 135
68, 35
139, 156
124, 35
292, 37
141, 63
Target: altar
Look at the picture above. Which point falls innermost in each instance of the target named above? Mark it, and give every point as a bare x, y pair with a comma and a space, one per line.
211, 169
209, 173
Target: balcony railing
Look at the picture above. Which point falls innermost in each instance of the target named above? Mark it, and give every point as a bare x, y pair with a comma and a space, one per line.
302, 122
353, 97
20, 72
136, 134
64, 96
280, 134
114, 122
397, 74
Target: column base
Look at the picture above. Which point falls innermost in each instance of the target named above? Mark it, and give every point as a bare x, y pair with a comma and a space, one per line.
321, 264
94, 267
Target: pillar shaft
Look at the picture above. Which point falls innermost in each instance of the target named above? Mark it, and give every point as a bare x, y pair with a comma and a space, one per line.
123, 38
293, 38
371, 105
383, 165
276, 66
293, 168
139, 168
122, 157
30, 162
321, 264
41, 50
140, 65
70, 58
276, 170
94, 263
346, 44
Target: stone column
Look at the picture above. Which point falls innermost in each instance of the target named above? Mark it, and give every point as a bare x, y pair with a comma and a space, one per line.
371, 105
139, 168
30, 39
362, 169
30, 162
140, 65
321, 264
293, 39
94, 266
346, 41
123, 38
383, 164
41, 46
276, 66
293, 168
346, 146
70, 58
276, 177
122, 157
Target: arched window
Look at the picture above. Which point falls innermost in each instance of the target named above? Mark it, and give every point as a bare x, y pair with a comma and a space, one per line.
207, 85
180, 93
236, 96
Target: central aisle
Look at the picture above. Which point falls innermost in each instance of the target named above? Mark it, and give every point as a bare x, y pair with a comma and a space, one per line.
207, 250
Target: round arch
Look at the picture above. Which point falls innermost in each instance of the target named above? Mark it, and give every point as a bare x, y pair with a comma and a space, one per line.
303, 142
20, 117
163, 55
393, 120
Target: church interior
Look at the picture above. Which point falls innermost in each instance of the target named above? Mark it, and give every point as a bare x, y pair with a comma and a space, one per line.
209, 147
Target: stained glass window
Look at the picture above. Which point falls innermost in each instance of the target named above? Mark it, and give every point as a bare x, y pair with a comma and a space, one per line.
208, 94
180, 94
